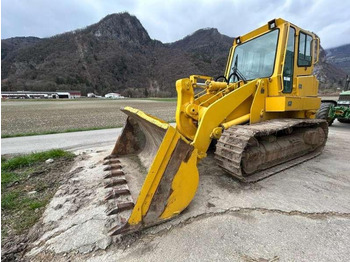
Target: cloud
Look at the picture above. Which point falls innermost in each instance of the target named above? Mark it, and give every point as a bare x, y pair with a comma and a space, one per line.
172, 20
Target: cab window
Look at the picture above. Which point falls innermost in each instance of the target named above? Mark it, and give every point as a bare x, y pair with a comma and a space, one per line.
255, 58
304, 50
289, 63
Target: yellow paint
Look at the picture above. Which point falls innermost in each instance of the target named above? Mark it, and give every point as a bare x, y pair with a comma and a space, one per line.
216, 133
184, 123
216, 113
283, 103
236, 121
257, 109
307, 86
154, 120
184, 187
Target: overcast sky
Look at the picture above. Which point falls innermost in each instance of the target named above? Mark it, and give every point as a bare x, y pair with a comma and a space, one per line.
169, 21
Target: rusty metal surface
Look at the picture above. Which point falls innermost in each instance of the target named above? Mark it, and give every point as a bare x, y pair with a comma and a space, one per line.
253, 152
127, 167
130, 189
140, 137
119, 199
159, 201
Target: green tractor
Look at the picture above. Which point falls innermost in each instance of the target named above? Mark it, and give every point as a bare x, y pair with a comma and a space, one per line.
331, 110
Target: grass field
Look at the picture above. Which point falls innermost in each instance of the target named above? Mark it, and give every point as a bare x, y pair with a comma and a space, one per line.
28, 117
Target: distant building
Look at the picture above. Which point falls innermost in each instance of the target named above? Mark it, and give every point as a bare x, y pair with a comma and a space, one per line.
113, 95
28, 94
69, 94
39, 94
92, 95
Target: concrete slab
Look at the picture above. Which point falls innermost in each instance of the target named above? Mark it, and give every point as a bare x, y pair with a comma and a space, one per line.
301, 214
245, 236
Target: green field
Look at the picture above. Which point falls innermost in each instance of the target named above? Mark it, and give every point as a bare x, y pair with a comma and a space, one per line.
29, 117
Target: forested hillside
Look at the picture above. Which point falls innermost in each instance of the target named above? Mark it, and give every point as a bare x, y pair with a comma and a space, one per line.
117, 55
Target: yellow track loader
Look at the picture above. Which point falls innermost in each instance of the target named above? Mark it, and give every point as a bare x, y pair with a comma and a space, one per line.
261, 113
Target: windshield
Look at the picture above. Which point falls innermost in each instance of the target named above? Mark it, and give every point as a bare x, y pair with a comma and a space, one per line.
255, 58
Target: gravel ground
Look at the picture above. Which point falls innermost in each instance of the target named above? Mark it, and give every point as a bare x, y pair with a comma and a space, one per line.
22, 117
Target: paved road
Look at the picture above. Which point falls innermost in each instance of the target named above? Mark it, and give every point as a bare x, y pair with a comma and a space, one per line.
76, 140
69, 141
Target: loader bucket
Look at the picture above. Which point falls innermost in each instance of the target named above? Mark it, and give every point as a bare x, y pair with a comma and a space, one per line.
152, 174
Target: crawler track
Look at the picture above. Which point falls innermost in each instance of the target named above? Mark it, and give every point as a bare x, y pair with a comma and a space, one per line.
254, 152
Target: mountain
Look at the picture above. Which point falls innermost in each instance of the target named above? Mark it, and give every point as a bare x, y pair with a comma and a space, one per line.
207, 49
10, 45
123, 28
330, 76
340, 57
103, 57
117, 55
113, 55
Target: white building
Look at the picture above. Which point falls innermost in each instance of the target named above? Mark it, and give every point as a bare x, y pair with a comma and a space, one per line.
39, 94
113, 95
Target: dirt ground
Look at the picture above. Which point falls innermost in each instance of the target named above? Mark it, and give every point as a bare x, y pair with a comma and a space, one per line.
300, 214
27, 117
33, 189
22, 117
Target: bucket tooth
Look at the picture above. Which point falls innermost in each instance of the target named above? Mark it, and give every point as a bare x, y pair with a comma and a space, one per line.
112, 166
111, 161
120, 208
114, 173
111, 156
115, 193
116, 230
123, 228
115, 182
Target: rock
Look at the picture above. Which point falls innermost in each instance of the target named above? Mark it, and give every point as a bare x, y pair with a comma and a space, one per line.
104, 243
59, 206
12, 184
50, 160
210, 205
73, 209
31, 193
